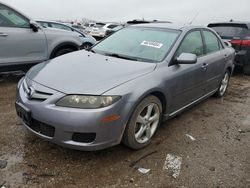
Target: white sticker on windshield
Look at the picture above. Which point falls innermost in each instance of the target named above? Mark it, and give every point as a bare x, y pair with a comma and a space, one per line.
152, 44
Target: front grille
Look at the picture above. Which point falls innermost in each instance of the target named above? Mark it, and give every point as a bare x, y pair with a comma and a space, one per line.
42, 128
84, 137
33, 94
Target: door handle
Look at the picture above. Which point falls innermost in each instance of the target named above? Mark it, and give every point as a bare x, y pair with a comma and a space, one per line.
204, 66
3, 35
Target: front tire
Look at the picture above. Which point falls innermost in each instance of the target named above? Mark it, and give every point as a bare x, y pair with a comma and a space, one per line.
143, 123
223, 85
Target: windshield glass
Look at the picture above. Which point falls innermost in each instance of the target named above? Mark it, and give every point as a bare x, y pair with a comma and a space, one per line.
142, 44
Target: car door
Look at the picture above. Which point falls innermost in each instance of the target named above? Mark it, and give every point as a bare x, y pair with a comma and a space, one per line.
188, 80
215, 58
18, 42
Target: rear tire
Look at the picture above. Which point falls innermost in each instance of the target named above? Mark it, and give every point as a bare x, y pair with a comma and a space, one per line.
62, 51
223, 85
246, 69
143, 123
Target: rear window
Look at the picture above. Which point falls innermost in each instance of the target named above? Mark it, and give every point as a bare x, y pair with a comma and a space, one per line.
230, 30
99, 25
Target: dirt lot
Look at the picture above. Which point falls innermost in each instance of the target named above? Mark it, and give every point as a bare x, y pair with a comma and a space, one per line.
218, 157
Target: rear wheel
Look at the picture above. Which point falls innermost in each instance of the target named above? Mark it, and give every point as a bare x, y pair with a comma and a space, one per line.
223, 85
246, 69
143, 123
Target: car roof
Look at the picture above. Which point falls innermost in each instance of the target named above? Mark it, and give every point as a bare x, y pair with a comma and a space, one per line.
168, 26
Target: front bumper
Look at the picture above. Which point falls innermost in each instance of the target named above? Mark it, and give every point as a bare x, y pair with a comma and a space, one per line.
65, 126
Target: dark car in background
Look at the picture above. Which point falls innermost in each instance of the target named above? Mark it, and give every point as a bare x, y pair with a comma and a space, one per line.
238, 34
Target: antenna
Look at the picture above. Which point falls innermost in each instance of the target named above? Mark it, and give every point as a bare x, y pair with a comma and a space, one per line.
190, 23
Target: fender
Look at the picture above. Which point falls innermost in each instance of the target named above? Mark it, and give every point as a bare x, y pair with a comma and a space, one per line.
64, 44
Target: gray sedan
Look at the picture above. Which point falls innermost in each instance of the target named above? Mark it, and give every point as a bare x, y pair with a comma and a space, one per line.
122, 88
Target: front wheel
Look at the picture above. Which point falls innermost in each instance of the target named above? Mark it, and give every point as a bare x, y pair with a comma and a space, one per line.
223, 85
143, 123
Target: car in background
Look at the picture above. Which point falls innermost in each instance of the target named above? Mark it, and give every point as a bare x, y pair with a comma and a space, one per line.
138, 21
99, 29
23, 42
88, 27
122, 88
238, 34
112, 31
88, 40
79, 27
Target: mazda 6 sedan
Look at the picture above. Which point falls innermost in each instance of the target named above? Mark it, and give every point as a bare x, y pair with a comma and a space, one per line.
122, 88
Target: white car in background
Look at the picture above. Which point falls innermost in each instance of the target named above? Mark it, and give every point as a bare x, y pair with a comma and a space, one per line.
99, 30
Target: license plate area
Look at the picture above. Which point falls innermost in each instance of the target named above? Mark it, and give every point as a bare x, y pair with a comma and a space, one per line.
24, 113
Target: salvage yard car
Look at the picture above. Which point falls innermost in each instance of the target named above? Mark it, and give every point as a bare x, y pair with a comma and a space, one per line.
124, 86
87, 40
238, 34
99, 29
24, 43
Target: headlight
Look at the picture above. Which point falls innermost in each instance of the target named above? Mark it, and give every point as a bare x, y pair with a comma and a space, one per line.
87, 102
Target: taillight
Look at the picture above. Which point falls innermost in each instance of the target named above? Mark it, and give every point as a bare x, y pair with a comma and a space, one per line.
240, 42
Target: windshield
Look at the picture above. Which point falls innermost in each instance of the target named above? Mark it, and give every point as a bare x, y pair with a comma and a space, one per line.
141, 44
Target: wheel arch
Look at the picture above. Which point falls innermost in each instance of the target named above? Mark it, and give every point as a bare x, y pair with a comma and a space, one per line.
155, 92
64, 45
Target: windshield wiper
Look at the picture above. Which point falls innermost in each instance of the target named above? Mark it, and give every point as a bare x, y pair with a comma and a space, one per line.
121, 56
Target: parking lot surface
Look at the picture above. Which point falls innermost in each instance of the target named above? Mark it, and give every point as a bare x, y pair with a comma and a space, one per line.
206, 146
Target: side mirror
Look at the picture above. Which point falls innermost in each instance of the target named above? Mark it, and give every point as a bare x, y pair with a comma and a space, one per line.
228, 44
34, 26
186, 58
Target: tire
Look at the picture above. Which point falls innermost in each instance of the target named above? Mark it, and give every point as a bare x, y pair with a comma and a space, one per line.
62, 51
223, 85
86, 46
246, 69
143, 124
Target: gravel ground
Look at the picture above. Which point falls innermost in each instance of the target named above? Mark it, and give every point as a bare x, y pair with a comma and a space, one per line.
206, 146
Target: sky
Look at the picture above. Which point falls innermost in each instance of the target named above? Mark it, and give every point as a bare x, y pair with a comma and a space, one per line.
177, 11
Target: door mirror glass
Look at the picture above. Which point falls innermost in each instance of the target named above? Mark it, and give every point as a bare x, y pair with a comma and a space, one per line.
228, 44
34, 26
187, 58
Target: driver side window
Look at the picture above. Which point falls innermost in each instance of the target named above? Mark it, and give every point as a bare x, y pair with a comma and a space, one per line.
10, 18
192, 43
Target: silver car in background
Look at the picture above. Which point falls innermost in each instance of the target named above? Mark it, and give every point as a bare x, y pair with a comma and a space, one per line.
87, 40
24, 43
99, 29
122, 89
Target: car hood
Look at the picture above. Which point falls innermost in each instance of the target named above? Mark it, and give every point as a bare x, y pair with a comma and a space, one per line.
84, 72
